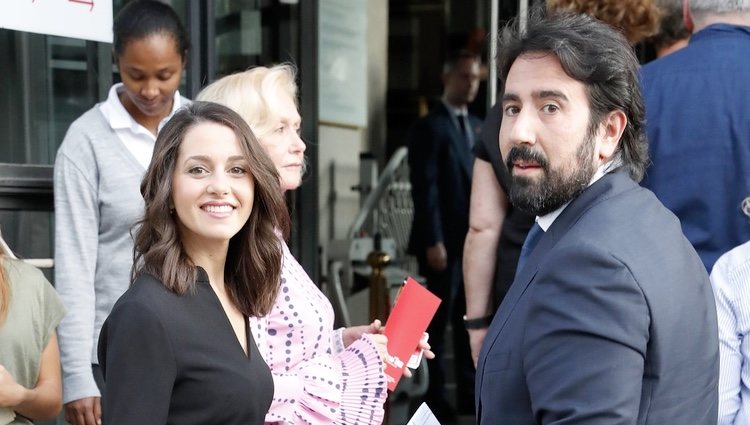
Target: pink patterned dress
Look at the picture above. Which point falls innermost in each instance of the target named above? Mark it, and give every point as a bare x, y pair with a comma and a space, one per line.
316, 379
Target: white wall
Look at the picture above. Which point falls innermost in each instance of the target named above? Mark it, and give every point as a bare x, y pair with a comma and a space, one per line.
339, 147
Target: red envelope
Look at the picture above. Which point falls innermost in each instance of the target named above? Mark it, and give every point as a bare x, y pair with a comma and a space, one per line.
412, 312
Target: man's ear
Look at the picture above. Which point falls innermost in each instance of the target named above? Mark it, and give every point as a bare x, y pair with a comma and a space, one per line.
687, 17
613, 126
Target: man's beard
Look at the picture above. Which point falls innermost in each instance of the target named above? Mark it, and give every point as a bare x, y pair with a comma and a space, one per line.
556, 187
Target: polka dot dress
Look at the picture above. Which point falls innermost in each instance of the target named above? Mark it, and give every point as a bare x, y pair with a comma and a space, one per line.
314, 382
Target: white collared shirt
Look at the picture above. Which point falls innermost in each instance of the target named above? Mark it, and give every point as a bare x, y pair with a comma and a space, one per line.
138, 140
546, 220
458, 113
730, 279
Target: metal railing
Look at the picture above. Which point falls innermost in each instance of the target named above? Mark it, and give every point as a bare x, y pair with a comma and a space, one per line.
382, 223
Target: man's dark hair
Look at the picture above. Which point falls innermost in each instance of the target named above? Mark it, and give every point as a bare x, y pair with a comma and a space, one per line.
454, 57
595, 54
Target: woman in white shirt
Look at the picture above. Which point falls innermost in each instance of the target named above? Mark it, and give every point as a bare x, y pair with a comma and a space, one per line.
98, 172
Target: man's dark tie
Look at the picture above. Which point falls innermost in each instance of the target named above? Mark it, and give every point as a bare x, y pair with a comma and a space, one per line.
463, 123
532, 239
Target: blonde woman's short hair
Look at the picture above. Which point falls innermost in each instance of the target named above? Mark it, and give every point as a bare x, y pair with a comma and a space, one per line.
254, 94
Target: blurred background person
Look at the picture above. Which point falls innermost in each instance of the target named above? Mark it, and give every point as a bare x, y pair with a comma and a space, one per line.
672, 35
698, 127
440, 167
97, 173
177, 348
323, 375
30, 310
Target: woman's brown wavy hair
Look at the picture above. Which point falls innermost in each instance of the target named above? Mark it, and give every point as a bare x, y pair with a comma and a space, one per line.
253, 265
637, 19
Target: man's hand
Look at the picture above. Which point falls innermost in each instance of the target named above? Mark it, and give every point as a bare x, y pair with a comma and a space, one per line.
85, 411
476, 339
437, 257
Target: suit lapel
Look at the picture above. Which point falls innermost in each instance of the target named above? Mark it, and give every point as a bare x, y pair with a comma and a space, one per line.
458, 140
606, 187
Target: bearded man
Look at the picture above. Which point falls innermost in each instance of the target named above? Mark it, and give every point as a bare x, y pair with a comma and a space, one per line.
610, 318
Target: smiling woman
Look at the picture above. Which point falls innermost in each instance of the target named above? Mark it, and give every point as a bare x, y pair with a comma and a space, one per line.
177, 347
212, 188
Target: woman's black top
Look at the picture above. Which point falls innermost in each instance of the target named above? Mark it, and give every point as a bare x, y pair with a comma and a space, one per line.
171, 359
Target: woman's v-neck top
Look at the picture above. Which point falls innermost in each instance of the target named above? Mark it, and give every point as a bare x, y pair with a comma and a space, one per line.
172, 359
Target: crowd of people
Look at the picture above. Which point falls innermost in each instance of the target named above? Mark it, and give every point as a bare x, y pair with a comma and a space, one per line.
590, 240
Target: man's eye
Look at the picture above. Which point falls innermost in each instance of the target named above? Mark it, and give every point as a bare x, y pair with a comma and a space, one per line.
511, 110
550, 109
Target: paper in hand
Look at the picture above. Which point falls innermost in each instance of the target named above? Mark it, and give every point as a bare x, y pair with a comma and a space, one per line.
6, 415
423, 416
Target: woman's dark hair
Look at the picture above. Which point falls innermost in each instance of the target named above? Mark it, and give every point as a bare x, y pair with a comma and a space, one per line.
598, 56
253, 265
142, 18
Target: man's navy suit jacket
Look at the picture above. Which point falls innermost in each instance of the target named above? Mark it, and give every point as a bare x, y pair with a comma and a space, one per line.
611, 321
440, 167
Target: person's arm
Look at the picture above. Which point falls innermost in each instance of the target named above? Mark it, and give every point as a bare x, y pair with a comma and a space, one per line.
76, 242
139, 367
586, 336
487, 211
730, 351
44, 401
327, 388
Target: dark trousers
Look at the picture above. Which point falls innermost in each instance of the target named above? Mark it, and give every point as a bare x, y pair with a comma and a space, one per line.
449, 286
98, 376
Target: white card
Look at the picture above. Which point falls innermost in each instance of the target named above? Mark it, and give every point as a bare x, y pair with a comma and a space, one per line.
6, 415
416, 358
423, 416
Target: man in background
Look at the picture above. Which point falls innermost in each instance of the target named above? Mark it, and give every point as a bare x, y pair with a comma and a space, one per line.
440, 163
698, 127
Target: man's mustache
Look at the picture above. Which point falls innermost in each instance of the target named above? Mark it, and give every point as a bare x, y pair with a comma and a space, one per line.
525, 154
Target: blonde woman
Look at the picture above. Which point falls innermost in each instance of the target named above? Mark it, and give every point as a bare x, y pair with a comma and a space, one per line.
30, 310
321, 375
